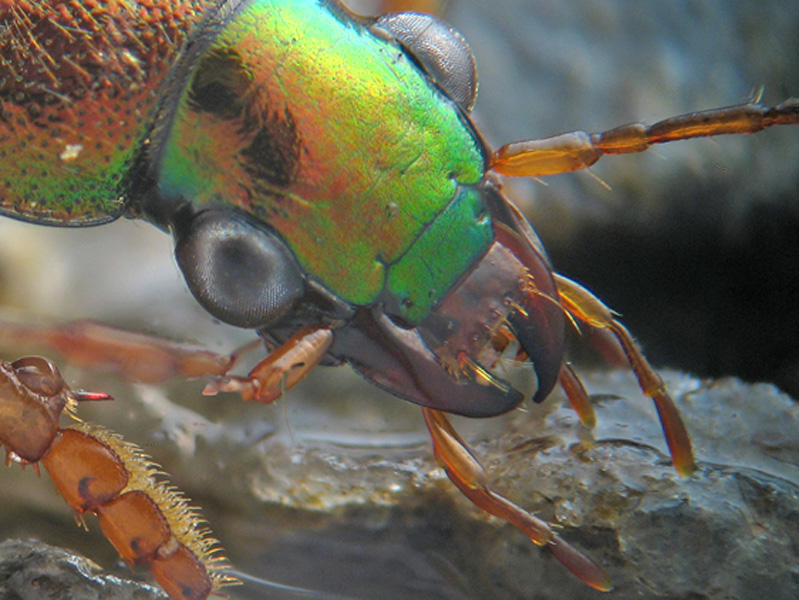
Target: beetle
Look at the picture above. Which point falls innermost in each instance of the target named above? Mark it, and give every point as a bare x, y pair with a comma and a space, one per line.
253, 227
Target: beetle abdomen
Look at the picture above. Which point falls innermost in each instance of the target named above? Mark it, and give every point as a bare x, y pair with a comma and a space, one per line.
78, 82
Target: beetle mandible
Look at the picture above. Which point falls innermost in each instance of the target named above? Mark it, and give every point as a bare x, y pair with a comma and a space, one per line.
378, 238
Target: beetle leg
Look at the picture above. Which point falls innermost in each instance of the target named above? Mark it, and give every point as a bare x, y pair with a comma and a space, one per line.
469, 476
148, 521
143, 358
282, 369
577, 395
587, 308
578, 149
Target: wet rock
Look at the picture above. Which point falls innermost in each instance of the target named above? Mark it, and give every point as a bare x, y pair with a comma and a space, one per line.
725, 532
340, 510
35, 571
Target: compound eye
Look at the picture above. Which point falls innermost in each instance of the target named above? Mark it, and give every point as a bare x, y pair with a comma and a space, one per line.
239, 272
440, 49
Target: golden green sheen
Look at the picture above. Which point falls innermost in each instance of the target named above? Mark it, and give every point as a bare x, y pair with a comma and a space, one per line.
74, 108
357, 152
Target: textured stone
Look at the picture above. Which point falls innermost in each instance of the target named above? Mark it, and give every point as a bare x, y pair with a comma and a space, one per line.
36, 571
341, 510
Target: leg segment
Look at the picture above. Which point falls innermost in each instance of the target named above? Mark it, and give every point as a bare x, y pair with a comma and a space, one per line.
430, 7
147, 521
468, 475
578, 149
578, 397
143, 358
282, 369
587, 308
150, 359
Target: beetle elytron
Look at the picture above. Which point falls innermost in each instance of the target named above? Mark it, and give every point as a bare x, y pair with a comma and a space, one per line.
325, 187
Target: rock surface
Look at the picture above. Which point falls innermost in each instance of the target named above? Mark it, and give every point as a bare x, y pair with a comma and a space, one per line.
344, 512
36, 571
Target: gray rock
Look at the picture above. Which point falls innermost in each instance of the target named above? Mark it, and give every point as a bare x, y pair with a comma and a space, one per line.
726, 532
347, 513
35, 571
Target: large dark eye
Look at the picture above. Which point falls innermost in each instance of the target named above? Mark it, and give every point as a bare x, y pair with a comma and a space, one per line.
440, 49
241, 273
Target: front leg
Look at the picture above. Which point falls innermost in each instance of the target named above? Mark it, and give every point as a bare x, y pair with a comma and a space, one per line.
469, 476
139, 357
282, 369
588, 309
146, 519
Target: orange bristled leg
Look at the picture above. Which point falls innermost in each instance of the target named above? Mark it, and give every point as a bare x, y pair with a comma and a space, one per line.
587, 308
282, 369
468, 475
578, 149
147, 520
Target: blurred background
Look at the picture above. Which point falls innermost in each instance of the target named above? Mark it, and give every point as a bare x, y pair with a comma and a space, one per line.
695, 243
